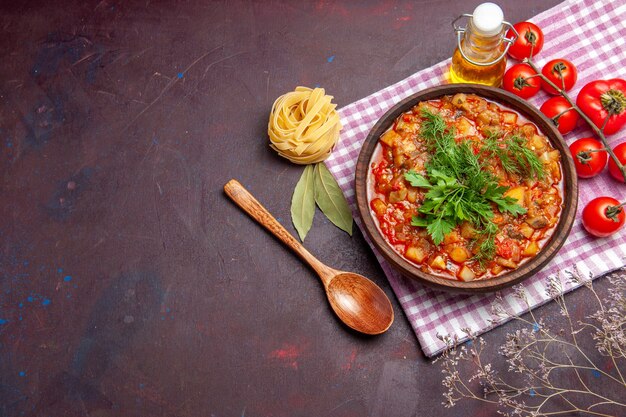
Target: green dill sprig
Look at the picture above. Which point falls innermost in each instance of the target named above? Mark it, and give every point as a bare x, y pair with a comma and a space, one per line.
459, 187
515, 157
487, 246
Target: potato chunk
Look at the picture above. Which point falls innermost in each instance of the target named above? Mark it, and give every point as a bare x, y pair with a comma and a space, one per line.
507, 263
459, 254
526, 230
379, 207
464, 127
531, 249
397, 196
452, 237
489, 117
466, 274
438, 262
459, 99
528, 130
538, 143
416, 254
389, 137
509, 117
496, 269
517, 193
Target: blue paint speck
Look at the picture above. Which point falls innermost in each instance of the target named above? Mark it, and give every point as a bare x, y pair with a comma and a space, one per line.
20, 305
180, 75
22, 373
3, 321
531, 392
67, 278
20, 318
30, 299
162, 317
45, 302
9, 144
536, 327
596, 373
330, 58
60, 270
25, 263
167, 310
317, 85
141, 386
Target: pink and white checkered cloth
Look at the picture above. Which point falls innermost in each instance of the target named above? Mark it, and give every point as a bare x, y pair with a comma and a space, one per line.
591, 34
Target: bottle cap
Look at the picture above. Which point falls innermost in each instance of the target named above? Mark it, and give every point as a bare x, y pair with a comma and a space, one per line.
487, 19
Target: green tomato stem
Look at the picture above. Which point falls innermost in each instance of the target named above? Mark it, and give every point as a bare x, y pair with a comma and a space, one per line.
612, 211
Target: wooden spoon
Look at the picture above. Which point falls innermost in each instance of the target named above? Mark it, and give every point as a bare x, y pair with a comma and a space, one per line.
356, 300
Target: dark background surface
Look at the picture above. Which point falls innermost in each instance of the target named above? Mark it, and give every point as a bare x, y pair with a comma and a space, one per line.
130, 285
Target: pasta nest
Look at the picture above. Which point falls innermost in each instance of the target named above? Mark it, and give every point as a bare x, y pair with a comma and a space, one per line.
304, 125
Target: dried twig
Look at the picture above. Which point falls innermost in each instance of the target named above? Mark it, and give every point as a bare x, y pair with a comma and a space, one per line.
550, 363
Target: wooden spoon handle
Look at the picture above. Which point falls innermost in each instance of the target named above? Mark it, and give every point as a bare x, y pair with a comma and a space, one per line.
251, 205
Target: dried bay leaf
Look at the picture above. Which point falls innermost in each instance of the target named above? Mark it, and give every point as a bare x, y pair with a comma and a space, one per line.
303, 202
331, 200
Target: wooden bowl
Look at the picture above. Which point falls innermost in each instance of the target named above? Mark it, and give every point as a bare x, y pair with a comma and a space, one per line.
527, 269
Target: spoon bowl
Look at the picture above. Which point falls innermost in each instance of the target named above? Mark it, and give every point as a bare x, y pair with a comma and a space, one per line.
357, 301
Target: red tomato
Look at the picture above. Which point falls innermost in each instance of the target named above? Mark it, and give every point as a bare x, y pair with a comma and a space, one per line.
588, 164
605, 103
379, 169
620, 152
562, 73
505, 248
529, 42
521, 80
556, 109
603, 216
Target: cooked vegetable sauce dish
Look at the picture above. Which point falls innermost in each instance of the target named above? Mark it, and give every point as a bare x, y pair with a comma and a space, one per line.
465, 188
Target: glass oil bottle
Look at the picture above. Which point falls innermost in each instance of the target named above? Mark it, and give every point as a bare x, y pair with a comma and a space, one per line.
480, 56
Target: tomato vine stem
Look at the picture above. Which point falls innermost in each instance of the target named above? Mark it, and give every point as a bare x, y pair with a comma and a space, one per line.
558, 116
598, 131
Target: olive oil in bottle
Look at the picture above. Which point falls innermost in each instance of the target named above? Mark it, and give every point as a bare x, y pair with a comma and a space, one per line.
480, 56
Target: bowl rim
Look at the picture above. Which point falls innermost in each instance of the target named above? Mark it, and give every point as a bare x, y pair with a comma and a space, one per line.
549, 250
